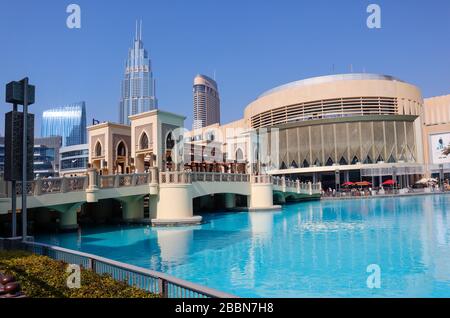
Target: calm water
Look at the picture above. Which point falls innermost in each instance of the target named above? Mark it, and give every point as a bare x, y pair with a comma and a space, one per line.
312, 249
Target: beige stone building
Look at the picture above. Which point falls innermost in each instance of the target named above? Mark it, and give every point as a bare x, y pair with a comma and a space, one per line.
335, 128
436, 133
332, 128
118, 149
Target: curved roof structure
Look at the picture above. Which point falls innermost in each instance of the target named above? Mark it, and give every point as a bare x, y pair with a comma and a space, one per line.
330, 78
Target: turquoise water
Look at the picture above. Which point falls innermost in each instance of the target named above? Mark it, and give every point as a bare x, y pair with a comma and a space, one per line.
311, 249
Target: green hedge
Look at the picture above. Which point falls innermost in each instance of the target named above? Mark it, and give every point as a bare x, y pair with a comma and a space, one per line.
43, 277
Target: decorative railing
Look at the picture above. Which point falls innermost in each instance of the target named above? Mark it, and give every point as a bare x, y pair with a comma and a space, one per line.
107, 181
219, 177
181, 177
288, 185
126, 180
152, 281
63, 185
30, 185
175, 177
264, 178
53, 185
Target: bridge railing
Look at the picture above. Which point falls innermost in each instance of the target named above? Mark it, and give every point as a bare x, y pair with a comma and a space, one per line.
175, 177
152, 281
127, 180
183, 177
219, 177
265, 178
53, 185
288, 185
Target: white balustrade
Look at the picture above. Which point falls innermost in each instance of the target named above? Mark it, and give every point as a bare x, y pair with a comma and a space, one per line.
64, 185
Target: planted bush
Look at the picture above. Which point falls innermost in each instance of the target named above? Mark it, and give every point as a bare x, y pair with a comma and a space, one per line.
43, 277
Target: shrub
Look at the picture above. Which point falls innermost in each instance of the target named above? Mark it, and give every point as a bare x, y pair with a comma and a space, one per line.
43, 277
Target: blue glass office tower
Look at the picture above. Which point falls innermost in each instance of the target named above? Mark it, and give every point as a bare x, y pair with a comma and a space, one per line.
138, 85
68, 121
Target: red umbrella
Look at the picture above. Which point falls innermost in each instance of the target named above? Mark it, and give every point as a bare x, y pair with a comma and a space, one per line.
348, 184
363, 184
389, 182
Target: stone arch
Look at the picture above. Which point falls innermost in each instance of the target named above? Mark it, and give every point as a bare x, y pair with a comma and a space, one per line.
144, 141
239, 155
121, 149
98, 149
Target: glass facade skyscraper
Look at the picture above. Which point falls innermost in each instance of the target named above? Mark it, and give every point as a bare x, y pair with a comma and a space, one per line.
68, 121
138, 85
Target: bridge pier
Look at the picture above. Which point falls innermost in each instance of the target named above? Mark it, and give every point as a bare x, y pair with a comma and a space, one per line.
261, 197
174, 205
230, 200
153, 206
132, 208
68, 215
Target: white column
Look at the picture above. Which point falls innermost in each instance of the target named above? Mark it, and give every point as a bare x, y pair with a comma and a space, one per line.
174, 205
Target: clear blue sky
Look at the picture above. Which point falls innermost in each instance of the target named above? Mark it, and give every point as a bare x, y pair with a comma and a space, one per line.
252, 45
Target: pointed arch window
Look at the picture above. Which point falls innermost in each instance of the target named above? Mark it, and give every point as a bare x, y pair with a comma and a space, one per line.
143, 144
98, 149
121, 149
170, 143
343, 162
355, 160
239, 155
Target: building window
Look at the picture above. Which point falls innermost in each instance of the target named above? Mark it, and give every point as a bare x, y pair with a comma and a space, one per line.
170, 143
239, 155
144, 141
121, 150
98, 149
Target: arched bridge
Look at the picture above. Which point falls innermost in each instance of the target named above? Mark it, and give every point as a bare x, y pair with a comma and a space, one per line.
170, 194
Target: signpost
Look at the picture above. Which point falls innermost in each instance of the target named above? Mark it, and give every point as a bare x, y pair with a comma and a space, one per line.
19, 140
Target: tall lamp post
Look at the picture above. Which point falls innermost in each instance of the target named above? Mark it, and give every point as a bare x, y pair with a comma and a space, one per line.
19, 143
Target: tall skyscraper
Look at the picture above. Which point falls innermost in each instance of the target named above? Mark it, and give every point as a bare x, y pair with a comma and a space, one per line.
67, 121
206, 102
138, 85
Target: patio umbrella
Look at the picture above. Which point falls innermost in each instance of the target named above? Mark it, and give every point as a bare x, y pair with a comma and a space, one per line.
348, 184
426, 181
363, 184
389, 182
